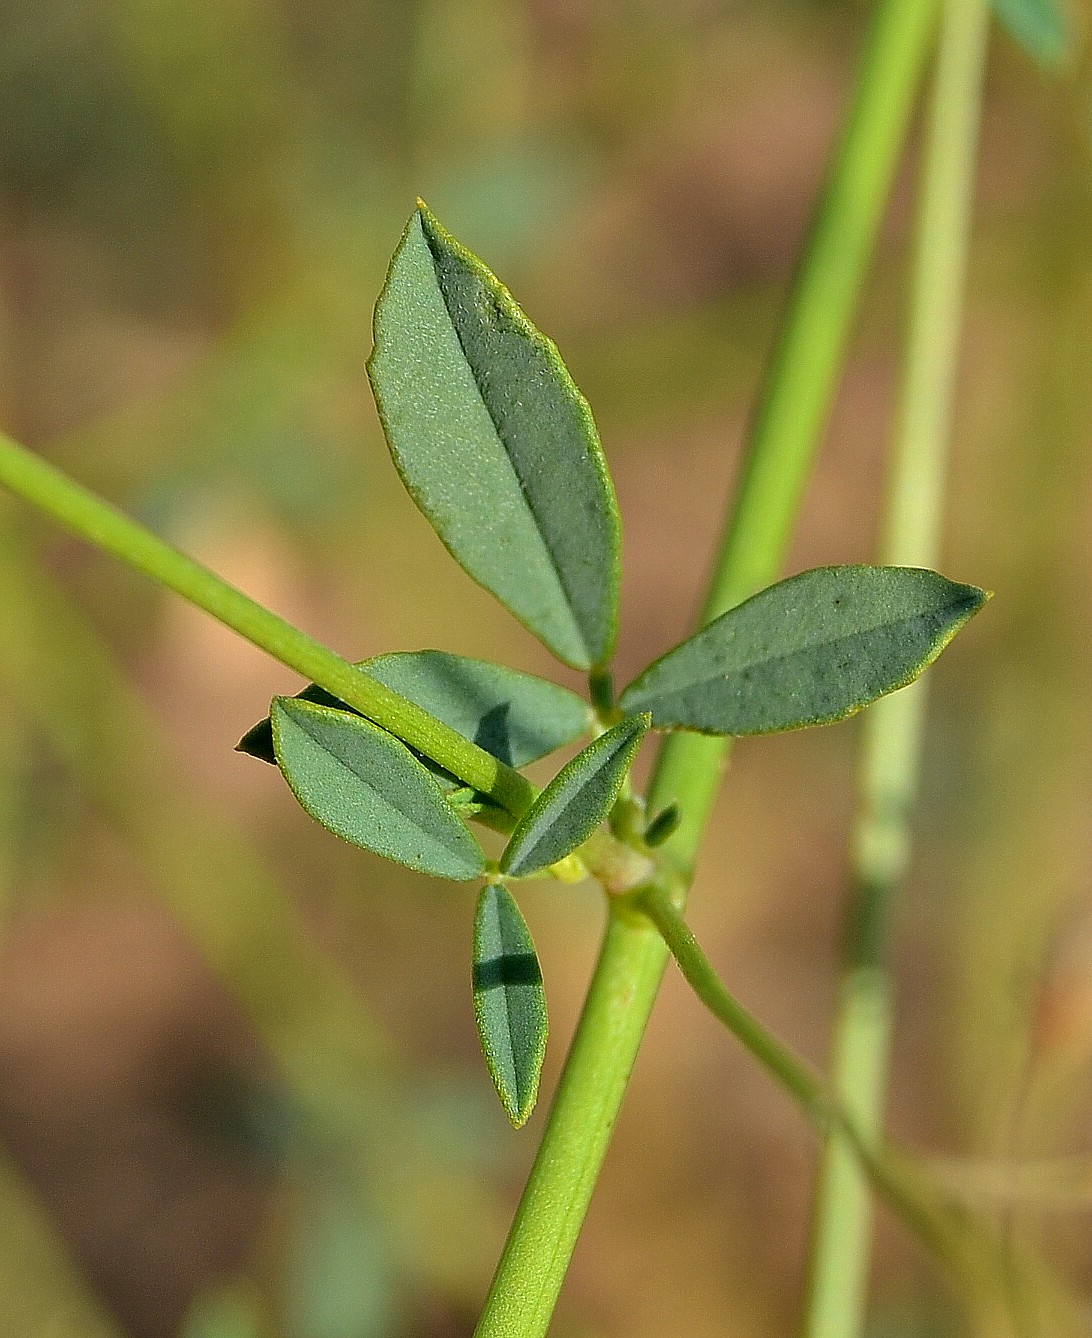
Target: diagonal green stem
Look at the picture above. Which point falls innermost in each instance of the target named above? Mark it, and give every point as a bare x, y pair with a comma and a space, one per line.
893, 729
37, 481
787, 427
794, 1074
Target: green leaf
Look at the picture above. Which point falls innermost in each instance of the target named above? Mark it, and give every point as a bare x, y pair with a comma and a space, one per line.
496, 444
509, 1001
807, 651
369, 789
1039, 26
516, 717
575, 802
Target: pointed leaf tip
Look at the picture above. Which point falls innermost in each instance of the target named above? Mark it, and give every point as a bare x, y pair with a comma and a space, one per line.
575, 802
509, 1001
495, 443
365, 786
810, 650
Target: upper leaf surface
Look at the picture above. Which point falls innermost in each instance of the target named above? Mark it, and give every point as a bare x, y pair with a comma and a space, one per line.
807, 651
496, 444
515, 716
360, 783
1038, 25
509, 1001
575, 802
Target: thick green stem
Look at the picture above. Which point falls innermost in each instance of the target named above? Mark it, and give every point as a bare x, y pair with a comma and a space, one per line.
787, 427
892, 730
35, 480
800, 383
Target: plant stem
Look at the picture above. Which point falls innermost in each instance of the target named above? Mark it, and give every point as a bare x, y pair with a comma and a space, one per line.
966, 1242
37, 481
893, 729
787, 426
555, 1199
802, 376
794, 1074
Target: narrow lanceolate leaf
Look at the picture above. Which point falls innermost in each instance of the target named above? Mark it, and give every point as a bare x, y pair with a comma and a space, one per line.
496, 444
509, 1001
575, 802
807, 651
516, 717
1039, 26
369, 789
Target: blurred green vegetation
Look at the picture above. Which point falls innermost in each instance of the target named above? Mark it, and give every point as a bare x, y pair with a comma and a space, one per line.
197, 204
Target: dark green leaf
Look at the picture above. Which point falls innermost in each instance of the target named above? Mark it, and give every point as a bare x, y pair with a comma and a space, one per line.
807, 651
496, 444
1038, 25
516, 717
575, 802
663, 825
509, 1001
369, 789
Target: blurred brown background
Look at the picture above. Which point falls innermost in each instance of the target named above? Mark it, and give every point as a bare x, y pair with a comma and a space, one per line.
240, 1095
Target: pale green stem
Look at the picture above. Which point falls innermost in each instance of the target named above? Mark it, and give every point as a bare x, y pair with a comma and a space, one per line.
787, 427
965, 1241
37, 481
893, 728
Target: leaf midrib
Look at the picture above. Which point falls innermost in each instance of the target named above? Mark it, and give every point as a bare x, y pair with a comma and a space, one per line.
528, 333
818, 643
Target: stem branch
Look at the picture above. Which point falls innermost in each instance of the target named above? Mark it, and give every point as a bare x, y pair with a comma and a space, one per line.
80, 510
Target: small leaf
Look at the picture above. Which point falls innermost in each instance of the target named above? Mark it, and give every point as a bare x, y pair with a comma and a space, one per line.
1039, 26
516, 717
495, 443
575, 802
369, 789
663, 825
509, 1001
807, 651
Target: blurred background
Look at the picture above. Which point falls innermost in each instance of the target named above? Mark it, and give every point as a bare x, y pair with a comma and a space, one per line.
240, 1091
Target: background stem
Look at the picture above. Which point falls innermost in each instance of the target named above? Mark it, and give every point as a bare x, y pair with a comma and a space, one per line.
892, 738
37, 481
792, 410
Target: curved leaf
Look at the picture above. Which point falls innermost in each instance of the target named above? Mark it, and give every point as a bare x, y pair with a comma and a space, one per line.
1039, 26
807, 651
575, 802
509, 1001
496, 444
363, 785
515, 716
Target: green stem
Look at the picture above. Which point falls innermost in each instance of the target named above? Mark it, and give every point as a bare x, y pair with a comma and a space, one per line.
33, 479
800, 383
551, 1212
893, 729
966, 1242
792, 410
794, 1074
